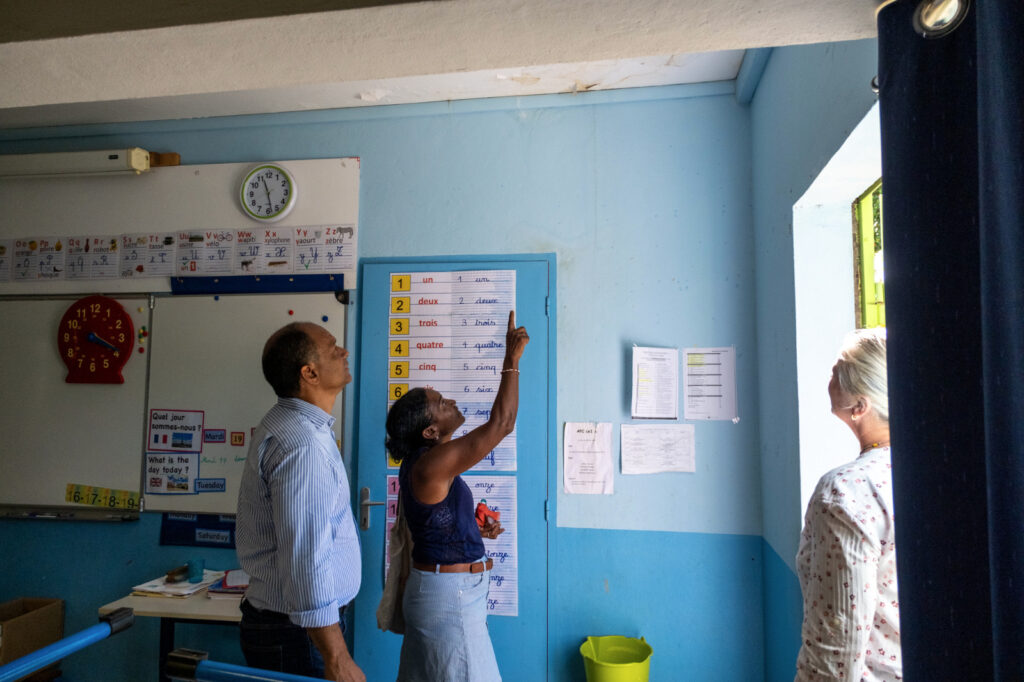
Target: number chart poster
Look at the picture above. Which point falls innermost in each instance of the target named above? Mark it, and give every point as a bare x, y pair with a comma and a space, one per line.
447, 333
499, 494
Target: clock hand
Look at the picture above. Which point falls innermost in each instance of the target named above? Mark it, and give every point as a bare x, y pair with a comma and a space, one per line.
267, 190
100, 342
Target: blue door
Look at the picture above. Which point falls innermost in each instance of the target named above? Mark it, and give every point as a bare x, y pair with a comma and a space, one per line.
520, 641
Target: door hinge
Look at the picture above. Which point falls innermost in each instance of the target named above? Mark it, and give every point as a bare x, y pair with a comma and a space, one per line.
547, 306
547, 508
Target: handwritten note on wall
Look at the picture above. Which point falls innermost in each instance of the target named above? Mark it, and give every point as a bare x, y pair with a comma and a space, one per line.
587, 458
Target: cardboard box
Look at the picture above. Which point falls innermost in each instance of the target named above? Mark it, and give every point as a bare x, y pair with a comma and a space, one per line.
29, 624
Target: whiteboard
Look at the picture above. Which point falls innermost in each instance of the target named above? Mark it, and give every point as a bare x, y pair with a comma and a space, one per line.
206, 369
55, 433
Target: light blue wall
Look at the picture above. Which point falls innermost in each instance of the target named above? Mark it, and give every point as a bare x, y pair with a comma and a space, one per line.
665, 259
646, 198
809, 100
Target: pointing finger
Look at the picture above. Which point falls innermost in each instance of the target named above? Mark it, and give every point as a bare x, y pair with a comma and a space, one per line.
511, 320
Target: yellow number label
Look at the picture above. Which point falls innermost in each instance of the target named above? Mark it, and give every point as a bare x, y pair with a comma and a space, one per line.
101, 497
400, 304
400, 325
399, 348
399, 370
400, 282
396, 391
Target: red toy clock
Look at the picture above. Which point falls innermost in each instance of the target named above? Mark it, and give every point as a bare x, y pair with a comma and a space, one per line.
95, 339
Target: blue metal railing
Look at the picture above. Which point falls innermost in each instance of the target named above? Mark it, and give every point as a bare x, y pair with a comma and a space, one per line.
187, 665
111, 624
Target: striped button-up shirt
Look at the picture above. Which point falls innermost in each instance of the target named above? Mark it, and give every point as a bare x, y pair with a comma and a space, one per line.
296, 537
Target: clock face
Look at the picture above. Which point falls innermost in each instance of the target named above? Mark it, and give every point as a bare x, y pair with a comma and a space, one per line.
268, 193
95, 340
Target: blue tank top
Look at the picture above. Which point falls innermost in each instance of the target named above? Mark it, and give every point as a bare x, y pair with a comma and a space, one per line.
442, 533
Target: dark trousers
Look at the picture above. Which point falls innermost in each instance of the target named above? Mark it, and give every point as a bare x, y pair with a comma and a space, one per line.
272, 642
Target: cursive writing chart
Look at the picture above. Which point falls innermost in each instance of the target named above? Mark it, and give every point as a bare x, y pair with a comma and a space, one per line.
499, 494
447, 332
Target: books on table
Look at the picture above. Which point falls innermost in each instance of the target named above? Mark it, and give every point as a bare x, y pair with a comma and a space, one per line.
231, 586
159, 587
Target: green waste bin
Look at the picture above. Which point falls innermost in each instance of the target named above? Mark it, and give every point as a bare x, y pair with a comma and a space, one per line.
616, 659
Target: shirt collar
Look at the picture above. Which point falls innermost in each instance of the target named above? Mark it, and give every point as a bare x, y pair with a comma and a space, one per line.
310, 411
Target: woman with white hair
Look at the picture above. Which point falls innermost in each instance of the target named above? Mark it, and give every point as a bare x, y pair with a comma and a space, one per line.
847, 557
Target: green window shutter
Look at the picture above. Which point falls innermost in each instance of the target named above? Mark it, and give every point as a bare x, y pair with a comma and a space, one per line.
869, 276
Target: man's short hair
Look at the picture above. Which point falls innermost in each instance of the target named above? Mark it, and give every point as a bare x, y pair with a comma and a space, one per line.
284, 355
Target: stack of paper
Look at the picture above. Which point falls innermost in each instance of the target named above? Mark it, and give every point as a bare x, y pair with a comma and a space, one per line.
161, 588
231, 586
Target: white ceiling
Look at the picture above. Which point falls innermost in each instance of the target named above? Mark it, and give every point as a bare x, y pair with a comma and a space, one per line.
400, 53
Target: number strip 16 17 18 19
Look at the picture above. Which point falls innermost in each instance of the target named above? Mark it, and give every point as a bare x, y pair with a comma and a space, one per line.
101, 497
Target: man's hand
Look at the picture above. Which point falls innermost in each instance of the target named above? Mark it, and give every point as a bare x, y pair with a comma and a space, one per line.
344, 670
338, 664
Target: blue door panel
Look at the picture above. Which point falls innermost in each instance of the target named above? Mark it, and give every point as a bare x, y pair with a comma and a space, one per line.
520, 642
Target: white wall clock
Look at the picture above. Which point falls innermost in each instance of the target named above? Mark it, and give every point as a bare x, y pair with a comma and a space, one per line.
268, 192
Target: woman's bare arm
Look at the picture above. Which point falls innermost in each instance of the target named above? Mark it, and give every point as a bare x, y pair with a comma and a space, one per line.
437, 468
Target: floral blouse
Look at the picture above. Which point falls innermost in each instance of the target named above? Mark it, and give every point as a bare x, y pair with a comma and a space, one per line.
847, 570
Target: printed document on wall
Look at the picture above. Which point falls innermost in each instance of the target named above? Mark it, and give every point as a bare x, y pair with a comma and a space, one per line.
654, 448
587, 458
655, 383
709, 383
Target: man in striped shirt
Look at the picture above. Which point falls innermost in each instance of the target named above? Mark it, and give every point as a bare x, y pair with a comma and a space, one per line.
296, 537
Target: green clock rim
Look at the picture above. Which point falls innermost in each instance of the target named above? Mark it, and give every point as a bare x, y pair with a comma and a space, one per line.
245, 181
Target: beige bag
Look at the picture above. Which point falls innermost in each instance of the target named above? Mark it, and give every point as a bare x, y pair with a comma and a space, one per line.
389, 611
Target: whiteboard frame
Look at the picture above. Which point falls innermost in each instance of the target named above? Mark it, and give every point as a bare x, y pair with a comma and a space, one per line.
205, 356
45, 418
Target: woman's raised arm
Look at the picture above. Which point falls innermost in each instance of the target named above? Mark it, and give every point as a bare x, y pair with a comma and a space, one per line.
446, 460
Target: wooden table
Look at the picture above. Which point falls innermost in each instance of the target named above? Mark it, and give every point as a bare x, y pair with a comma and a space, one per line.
172, 610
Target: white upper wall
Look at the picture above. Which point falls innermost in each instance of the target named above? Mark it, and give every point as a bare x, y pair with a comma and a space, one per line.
426, 51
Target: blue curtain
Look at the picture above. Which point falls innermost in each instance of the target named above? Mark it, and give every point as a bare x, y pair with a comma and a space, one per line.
952, 115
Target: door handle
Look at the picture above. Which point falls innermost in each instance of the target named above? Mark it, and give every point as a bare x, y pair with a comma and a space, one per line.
364, 508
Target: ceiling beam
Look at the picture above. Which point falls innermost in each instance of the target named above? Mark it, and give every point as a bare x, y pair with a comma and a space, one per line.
329, 51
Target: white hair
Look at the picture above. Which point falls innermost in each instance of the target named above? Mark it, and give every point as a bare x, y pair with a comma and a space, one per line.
861, 368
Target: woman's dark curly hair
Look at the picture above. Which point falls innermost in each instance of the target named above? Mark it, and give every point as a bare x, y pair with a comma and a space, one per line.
405, 423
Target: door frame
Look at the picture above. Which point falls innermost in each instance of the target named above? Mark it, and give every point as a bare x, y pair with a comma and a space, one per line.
550, 439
